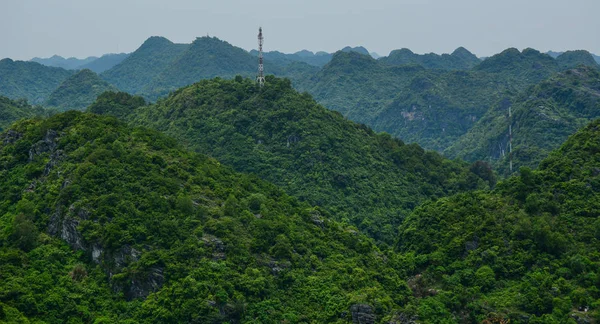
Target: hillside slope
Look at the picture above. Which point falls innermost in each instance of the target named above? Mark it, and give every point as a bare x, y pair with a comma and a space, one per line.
102, 222
78, 91
105, 62
543, 117
285, 137
526, 252
145, 63
460, 59
13, 110
29, 80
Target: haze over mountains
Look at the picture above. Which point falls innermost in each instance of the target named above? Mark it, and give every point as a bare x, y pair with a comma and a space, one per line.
349, 188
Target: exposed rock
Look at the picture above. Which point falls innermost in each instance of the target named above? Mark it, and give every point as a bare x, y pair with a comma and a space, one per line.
402, 318
47, 144
71, 235
55, 159
142, 287
317, 219
125, 255
11, 136
581, 318
217, 246
362, 314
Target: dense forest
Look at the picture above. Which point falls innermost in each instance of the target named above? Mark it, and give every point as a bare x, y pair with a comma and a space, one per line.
283, 136
165, 185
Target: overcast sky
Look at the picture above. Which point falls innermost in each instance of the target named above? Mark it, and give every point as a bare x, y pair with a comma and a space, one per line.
83, 28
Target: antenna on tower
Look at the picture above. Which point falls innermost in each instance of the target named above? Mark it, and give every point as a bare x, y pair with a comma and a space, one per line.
510, 139
261, 77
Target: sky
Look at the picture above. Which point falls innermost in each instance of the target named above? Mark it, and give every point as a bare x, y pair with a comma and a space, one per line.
82, 28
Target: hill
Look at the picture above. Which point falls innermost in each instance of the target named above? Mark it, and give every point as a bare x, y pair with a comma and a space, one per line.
205, 58
523, 68
369, 180
101, 222
429, 107
70, 63
29, 80
105, 62
460, 59
572, 59
13, 110
283, 59
525, 252
78, 91
543, 117
144, 64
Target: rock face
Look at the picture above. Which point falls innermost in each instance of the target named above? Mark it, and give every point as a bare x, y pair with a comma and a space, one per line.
362, 314
10, 137
48, 144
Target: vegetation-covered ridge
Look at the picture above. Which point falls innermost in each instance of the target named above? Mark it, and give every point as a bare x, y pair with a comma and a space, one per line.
13, 110
107, 223
285, 137
543, 117
526, 252
78, 91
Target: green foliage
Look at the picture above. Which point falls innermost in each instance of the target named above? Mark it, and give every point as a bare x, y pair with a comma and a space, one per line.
460, 59
542, 119
285, 137
78, 91
29, 80
106, 223
530, 239
13, 110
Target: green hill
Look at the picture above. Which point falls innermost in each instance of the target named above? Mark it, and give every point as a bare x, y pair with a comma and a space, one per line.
460, 59
369, 180
543, 117
100, 222
206, 57
526, 252
522, 68
144, 64
70, 63
13, 110
572, 59
78, 91
29, 80
105, 62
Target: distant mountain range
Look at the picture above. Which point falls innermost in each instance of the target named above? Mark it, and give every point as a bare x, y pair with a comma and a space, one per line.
96, 64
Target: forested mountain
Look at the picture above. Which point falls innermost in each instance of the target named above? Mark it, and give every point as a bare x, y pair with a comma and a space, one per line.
543, 117
144, 64
100, 222
70, 63
526, 252
105, 62
521, 68
429, 107
205, 58
282, 59
29, 80
78, 91
571, 59
460, 59
13, 110
369, 180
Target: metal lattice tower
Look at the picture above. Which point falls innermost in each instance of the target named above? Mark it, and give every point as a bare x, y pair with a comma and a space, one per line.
261, 77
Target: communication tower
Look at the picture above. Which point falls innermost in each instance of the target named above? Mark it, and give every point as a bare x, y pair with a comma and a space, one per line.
261, 77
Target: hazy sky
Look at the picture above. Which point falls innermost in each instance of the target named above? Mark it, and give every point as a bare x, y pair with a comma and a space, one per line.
83, 28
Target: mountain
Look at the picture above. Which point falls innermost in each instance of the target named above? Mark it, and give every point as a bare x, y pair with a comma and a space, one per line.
106, 223
206, 57
144, 64
29, 80
523, 253
543, 117
357, 49
105, 62
596, 58
460, 59
70, 63
13, 110
430, 107
524, 68
369, 180
78, 91
571, 59
375, 55
283, 59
